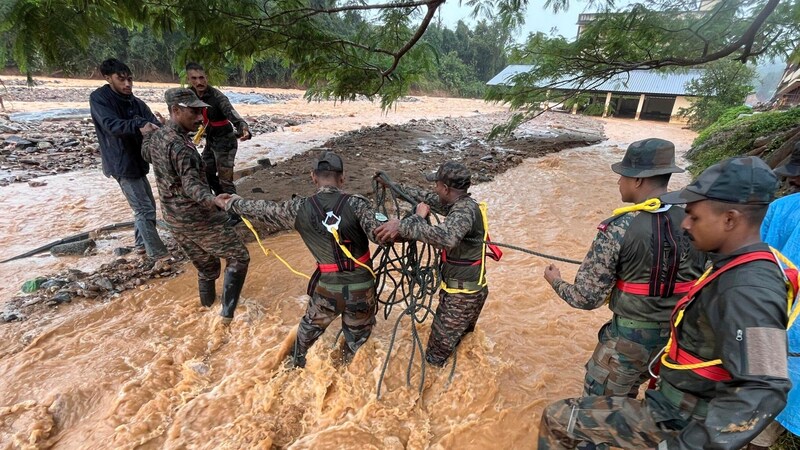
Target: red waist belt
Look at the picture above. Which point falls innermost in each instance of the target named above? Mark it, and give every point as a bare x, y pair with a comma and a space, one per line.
713, 373
213, 123
329, 268
219, 123
644, 288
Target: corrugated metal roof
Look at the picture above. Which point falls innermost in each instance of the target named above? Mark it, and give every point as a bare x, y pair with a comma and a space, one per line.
635, 82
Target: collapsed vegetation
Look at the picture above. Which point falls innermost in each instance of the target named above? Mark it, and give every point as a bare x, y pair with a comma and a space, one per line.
741, 131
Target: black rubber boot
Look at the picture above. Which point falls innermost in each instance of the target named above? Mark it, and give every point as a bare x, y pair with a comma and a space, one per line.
231, 288
297, 359
208, 292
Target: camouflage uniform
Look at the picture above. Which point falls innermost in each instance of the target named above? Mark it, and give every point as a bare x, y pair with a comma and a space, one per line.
350, 292
188, 208
221, 140
740, 318
456, 314
626, 249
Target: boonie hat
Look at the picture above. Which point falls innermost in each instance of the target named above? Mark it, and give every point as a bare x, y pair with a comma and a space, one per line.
328, 161
791, 168
648, 158
746, 180
183, 97
453, 174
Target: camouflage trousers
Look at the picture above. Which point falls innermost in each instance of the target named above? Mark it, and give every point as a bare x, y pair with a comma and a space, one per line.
607, 422
357, 308
455, 316
619, 363
206, 243
219, 156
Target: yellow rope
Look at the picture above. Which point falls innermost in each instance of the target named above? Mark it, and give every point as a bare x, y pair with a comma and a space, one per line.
647, 205
347, 253
267, 251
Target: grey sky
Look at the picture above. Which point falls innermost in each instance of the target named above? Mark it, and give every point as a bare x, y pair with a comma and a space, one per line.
536, 18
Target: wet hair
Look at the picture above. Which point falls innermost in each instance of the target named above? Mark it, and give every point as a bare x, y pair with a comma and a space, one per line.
113, 66
754, 214
194, 66
660, 180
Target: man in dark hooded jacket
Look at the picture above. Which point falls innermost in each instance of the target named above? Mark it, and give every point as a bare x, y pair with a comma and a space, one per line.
122, 121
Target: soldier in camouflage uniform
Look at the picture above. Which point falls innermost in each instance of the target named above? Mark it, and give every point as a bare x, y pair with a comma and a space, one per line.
460, 238
188, 204
640, 263
733, 323
223, 125
339, 285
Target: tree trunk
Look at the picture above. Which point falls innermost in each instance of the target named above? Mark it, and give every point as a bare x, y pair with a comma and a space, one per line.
784, 150
758, 151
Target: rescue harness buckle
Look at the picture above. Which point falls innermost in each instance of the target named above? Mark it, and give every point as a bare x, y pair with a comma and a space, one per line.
334, 226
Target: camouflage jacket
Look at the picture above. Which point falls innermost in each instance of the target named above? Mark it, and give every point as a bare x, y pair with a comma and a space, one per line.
186, 198
460, 235
459, 219
221, 109
598, 273
282, 215
624, 250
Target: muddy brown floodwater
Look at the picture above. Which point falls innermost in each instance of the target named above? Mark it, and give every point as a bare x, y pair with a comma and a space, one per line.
151, 370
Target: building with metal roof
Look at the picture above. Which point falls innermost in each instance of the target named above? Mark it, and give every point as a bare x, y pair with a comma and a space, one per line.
788, 92
647, 95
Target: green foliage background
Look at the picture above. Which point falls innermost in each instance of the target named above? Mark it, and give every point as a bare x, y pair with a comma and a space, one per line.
724, 84
457, 62
734, 136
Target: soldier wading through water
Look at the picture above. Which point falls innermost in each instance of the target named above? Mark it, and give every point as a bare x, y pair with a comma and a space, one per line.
188, 204
724, 375
336, 227
642, 264
460, 237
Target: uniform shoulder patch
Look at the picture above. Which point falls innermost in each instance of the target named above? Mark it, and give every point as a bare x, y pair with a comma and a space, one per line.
620, 219
604, 224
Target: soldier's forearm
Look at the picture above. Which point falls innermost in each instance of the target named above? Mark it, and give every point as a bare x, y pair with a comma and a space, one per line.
278, 216
426, 196
572, 295
415, 228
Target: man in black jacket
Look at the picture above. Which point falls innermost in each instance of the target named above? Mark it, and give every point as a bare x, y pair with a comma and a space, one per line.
121, 121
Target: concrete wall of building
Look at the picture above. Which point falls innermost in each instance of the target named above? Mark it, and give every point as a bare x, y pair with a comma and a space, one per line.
680, 102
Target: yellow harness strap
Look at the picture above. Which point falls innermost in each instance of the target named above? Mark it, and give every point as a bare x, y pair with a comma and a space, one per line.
347, 253
678, 320
792, 312
267, 251
199, 135
647, 205
482, 278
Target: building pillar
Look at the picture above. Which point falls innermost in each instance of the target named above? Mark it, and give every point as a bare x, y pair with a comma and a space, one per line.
639, 107
608, 102
676, 108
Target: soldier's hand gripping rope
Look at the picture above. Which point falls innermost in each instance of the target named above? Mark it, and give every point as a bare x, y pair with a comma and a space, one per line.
406, 273
413, 271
